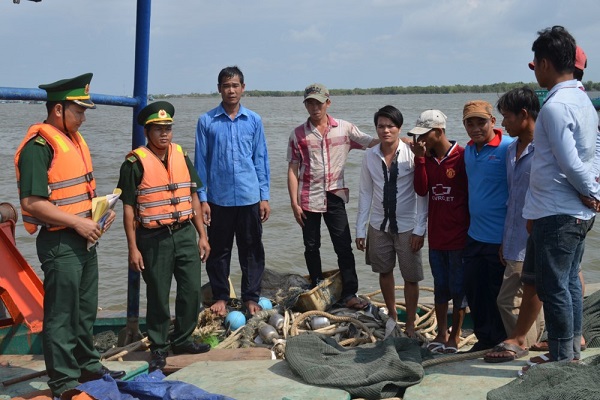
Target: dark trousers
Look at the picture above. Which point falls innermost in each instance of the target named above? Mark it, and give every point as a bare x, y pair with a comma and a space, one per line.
336, 220
70, 307
244, 223
483, 277
169, 254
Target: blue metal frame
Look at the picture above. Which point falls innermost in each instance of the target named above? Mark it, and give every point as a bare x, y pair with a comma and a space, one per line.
138, 101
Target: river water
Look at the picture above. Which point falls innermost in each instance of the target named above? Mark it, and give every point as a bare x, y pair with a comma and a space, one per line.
108, 133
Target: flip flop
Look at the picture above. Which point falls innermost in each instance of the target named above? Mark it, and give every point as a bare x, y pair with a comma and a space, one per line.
541, 359
436, 347
517, 352
530, 365
450, 350
543, 346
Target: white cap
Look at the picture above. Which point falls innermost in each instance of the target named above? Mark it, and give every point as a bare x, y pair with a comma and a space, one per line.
428, 120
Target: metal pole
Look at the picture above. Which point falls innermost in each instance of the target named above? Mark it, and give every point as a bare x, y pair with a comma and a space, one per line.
140, 92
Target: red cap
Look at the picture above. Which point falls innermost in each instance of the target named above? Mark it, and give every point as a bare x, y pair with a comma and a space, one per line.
580, 58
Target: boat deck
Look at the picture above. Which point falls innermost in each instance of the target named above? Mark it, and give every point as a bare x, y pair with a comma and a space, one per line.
248, 374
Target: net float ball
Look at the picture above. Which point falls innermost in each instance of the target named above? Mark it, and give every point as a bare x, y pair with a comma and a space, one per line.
265, 303
235, 320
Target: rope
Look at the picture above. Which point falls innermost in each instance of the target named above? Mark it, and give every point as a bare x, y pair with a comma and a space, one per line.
454, 358
294, 331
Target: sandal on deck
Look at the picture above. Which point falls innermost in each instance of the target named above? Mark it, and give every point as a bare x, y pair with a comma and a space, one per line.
514, 350
436, 347
355, 303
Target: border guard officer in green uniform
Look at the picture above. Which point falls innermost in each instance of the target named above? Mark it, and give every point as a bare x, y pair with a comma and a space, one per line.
161, 215
56, 187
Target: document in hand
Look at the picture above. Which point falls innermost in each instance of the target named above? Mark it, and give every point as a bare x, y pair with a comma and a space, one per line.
100, 210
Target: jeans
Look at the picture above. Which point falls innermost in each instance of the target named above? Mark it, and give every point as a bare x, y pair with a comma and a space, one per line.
558, 242
336, 220
448, 277
483, 277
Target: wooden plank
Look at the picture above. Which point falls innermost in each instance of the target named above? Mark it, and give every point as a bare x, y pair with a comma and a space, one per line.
176, 362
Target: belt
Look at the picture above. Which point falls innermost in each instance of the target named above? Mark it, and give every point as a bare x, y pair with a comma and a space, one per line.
177, 225
148, 233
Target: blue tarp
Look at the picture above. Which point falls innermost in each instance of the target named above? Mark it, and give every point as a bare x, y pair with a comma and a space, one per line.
151, 386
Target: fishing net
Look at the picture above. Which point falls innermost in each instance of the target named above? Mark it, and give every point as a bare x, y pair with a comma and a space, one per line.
283, 288
562, 380
554, 381
380, 370
104, 341
591, 319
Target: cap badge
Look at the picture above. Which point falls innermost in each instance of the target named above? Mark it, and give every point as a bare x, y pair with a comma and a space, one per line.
162, 114
86, 90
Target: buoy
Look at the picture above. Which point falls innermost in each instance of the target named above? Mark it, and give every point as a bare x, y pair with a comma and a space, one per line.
276, 321
235, 319
267, 332
318, 322
265, 303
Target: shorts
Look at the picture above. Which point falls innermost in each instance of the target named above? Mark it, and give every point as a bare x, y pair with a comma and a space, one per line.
448, 277
384, 247
528, 272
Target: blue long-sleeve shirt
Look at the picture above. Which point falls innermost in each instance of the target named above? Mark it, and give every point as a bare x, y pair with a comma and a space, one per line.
515, 226
231, 158
565, 145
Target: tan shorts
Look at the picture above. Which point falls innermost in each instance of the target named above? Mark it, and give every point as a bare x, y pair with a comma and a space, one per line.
383, 249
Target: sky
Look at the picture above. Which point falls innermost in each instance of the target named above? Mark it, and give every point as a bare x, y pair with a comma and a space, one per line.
285, 44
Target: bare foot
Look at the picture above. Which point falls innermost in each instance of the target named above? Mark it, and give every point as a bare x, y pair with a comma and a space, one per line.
253, 307
451, 346
219, 308
410, 331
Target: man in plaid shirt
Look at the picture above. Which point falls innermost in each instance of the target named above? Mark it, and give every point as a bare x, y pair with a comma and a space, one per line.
317, 154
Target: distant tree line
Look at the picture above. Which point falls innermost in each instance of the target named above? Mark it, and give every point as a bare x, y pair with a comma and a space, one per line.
501, 87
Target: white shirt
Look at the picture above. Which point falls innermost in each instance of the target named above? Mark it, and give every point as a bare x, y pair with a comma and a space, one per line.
411, 209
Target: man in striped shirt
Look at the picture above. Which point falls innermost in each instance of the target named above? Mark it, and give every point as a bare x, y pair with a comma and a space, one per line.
317, 154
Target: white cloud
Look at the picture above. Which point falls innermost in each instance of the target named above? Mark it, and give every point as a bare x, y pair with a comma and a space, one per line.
307, 35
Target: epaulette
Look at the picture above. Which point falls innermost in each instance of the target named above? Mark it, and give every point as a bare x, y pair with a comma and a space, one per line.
41, 141
132, 159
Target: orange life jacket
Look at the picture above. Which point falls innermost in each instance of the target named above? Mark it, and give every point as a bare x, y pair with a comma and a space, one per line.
71, 183
164, 195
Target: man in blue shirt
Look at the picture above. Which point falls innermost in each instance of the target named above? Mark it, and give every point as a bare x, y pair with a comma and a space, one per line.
563, 192
485, 156
232, 161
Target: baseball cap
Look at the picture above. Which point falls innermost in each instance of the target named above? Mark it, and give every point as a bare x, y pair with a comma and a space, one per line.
477, 108
428, 120
316, 91
580, 60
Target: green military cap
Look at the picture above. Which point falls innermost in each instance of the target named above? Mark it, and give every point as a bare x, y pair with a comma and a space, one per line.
159, 112
75, 89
